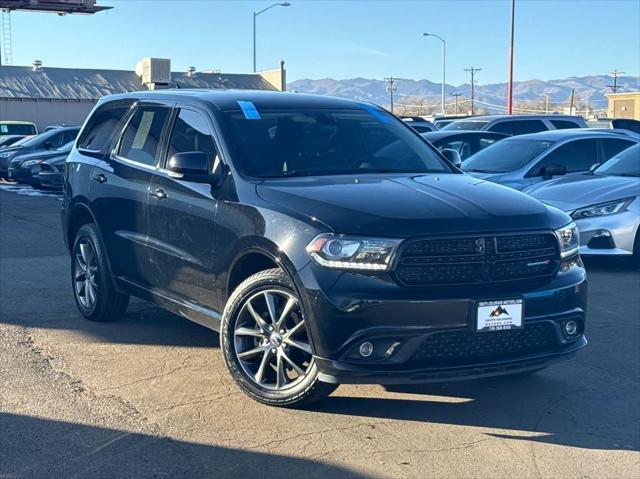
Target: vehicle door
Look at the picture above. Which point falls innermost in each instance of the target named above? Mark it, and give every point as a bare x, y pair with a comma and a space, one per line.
181, 214
571, 158
120, 184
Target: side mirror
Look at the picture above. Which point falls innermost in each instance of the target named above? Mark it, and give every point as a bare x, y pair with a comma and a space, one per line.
550, 171
453, 156
192, 166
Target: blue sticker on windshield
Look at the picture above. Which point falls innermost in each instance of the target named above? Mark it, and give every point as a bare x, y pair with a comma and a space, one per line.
377, 114
249, 110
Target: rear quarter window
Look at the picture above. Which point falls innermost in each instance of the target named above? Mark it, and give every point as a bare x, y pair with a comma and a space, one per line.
564, 124
101, 127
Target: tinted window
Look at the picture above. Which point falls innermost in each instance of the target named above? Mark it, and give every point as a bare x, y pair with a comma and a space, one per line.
613, 146
141, 140
55, 137
465, 125
505, 127
564, 124
462, 146
578, 155
313, 142
97, 134
68, 136
17, 129
626, 163
522, 127
631, 125
191, 132
484, 142
505, 155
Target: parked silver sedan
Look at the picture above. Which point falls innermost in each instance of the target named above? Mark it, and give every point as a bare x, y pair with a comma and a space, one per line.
605, 204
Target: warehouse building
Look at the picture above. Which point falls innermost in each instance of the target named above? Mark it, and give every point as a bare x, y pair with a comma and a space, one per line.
64, 96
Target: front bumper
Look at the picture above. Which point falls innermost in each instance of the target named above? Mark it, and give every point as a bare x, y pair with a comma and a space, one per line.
608, 235
345, 309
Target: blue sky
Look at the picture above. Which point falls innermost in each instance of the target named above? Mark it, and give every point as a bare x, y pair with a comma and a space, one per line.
344, 39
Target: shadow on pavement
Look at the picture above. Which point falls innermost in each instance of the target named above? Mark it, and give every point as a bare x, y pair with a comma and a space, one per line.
539, 407
36, 447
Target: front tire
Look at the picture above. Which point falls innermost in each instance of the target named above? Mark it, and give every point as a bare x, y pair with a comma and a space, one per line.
265, 343
93, 287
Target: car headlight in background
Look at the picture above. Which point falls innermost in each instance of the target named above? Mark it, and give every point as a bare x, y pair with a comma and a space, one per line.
28, 163
602, 209
352, 252
569, 240
5, 155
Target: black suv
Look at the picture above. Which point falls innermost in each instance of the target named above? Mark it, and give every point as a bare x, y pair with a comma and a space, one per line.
326, 240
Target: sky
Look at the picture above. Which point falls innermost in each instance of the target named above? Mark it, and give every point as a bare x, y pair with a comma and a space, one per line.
344, 39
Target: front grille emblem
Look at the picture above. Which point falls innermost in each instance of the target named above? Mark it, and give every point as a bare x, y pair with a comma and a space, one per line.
480, 246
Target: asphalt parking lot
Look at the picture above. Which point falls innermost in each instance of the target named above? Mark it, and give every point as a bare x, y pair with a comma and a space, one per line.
149, 396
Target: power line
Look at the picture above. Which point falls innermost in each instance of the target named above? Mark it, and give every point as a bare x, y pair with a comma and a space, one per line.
391, 87
473, 71
615, 74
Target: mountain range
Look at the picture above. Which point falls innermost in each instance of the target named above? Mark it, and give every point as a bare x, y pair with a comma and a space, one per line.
589, 90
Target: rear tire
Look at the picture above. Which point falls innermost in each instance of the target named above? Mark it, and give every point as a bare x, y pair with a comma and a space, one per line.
269, 357
93, 287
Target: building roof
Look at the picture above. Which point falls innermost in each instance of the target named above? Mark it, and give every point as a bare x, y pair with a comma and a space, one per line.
89, 84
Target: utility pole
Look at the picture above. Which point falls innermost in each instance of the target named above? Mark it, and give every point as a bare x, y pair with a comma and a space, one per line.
456, 95
510, 93
615, 74
391, 87
573, 91
473, 71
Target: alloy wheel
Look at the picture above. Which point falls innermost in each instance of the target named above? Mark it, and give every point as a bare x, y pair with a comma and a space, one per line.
86, 273
271, 340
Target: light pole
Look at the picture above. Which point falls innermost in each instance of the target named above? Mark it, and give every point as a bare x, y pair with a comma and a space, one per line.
546, 104
444, 47
255, 14
510, 86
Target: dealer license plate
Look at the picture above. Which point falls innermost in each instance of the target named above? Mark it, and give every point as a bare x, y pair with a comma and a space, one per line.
500, 315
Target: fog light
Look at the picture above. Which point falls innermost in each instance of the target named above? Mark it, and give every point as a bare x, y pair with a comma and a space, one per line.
366, 349
570, 327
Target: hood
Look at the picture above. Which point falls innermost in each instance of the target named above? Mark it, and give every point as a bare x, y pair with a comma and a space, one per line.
404, 206
573, 192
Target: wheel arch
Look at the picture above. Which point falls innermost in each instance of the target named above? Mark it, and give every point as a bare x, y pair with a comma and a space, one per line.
260, 256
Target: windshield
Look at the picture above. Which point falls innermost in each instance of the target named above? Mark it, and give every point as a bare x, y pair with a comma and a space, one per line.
465, 125
17, 129
39, 139
625, 163
506, 155
313, 142
66, 148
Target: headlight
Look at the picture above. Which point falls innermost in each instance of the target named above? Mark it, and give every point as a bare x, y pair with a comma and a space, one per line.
569, 240
5, 155
352, 252
28, 163
602, 209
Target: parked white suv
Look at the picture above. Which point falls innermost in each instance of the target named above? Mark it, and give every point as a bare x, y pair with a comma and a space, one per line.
517, 124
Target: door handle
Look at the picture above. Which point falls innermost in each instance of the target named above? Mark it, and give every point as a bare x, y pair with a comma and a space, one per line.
159, 194
100, 178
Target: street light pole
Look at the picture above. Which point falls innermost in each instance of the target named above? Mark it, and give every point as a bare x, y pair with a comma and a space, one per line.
444, 50
546, 102
255, 14
510, 92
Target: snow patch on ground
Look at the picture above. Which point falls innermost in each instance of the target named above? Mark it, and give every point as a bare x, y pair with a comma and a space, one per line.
28, 191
